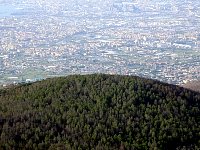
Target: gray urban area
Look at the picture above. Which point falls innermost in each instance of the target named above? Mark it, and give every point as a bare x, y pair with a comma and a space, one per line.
157, 39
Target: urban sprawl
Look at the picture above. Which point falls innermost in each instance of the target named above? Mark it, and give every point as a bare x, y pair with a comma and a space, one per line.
43, 39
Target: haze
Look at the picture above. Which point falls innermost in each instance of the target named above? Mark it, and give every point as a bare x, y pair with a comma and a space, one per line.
154, 39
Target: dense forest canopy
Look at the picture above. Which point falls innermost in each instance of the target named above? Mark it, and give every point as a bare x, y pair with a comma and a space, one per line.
99, 112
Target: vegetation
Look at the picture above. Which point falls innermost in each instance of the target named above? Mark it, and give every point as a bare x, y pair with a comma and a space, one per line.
99, 112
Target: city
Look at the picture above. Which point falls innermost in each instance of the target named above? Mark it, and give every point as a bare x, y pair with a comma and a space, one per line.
45, 39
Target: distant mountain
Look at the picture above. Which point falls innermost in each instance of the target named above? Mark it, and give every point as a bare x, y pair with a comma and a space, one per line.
99, 112
194, 85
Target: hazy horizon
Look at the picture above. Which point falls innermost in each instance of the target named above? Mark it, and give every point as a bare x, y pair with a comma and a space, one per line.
153, 38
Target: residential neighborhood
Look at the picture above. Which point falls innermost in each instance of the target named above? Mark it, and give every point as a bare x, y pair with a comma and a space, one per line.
44, 39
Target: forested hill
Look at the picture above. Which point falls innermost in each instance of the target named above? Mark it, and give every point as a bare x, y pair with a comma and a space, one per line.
99, 112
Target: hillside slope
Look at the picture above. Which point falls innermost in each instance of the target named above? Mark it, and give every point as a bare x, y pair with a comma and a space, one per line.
99, 112
194, 85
